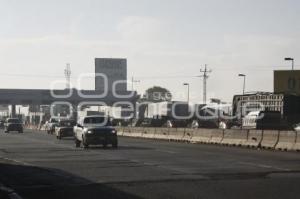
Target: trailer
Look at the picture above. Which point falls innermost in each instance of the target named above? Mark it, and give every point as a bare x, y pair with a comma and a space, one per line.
282, 111
164, 114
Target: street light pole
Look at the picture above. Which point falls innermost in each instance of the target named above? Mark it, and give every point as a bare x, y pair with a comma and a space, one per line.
244, 84
241, 104
290, 59
188, 90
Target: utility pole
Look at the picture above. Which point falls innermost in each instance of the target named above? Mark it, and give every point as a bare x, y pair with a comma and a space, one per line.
68, 76
205, 77
133, 81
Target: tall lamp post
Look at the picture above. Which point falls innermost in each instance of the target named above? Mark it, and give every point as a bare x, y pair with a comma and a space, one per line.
290, 59
244, 76
244, 83
188, 90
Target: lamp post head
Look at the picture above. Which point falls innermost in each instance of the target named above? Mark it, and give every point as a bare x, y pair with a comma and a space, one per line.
242, 75
289, 59
186, 84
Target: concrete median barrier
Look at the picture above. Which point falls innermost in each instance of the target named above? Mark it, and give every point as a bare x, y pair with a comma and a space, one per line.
202, 135
235, 137
119, 130
136, 132
270, 139
176, 134
148, 133
188, 134
216, 136
296, 146
162, 133
287, 140
254, 138
126, 131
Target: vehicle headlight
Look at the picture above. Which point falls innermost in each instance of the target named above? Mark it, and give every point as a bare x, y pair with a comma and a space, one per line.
90, 131
113, 131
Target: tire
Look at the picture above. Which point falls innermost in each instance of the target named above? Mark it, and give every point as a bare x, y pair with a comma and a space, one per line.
115, 145
77, 143
222, 125
85, 144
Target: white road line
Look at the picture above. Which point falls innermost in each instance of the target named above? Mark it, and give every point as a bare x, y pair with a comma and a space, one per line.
166, 151
264, 166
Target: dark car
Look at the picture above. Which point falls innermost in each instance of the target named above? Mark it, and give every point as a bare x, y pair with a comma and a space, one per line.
2, 124
13, 124
64, 128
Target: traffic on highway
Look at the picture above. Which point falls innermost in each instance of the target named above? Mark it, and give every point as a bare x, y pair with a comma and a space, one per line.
149, 99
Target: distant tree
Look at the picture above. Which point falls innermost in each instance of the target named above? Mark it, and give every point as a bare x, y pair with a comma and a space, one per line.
157, 94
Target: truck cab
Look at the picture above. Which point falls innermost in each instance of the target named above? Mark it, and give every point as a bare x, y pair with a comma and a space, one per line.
95, 130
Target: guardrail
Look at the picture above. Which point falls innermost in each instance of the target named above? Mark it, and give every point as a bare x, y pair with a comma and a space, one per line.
266, 139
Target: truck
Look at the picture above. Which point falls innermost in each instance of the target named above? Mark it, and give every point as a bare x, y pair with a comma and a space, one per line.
164, 114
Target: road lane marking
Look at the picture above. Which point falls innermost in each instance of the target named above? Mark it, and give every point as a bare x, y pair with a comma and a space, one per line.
264, 166
16, 161
166, 151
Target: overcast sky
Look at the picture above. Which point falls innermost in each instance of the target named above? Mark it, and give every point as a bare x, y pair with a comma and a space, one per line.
166, 42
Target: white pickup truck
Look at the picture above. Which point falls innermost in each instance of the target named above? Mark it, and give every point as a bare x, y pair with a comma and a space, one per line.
95, 130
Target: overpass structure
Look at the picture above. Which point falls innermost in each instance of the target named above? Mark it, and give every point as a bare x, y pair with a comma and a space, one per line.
75, 97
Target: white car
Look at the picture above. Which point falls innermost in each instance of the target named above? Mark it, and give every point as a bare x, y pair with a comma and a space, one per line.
249, 121
50, 125
95, 130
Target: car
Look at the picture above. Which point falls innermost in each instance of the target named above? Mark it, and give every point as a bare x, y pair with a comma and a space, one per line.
2, 124
50, 125
95, 130
250, 120
13, 124
64, 128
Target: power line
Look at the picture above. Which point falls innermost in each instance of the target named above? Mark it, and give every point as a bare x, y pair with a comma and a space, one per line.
216, 68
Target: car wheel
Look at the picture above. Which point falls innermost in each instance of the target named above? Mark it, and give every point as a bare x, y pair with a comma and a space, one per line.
115, 145
85, 144
77, 143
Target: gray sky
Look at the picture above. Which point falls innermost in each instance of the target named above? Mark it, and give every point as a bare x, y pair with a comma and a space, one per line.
160, 38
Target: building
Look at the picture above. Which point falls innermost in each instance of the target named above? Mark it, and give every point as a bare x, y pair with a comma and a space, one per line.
115, 70
288, 105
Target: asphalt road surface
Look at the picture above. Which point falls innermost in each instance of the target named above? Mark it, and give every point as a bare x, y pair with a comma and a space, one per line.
36, 165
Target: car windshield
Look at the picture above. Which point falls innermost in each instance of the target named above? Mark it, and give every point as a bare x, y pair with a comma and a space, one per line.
13, 121
104, 121
52, 120
67, 123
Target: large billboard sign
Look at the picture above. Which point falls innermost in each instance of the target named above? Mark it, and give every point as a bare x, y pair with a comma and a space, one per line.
287, 81
115, 70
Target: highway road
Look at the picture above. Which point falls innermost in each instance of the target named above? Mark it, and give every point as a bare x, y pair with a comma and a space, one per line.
37, 165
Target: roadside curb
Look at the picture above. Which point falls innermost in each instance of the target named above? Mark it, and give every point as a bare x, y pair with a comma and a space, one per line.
11, 194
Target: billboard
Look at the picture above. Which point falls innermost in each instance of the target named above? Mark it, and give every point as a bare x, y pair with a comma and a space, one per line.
287, 81
114, 69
